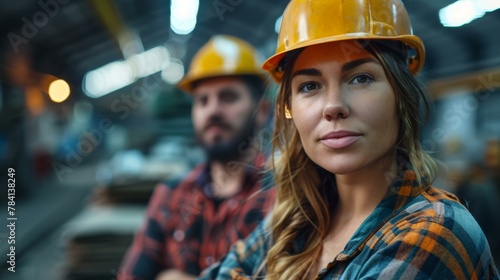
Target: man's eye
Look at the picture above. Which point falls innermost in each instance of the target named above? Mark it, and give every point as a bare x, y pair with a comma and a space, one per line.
362, 79
229, 95
200, 101
308, 87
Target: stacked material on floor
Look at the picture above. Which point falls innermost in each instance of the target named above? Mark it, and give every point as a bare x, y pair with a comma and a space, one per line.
135, 192
96, 240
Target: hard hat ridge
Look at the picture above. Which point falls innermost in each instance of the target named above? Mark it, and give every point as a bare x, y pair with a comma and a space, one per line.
222, 55
310, 22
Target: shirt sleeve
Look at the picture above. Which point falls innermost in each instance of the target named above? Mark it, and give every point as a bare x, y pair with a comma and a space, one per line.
143, 260
245, 259
429, 250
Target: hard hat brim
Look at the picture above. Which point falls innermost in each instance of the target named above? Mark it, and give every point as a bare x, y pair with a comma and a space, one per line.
415, 65
187, 83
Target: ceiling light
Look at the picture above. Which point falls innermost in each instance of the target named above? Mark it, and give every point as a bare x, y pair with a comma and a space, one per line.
183, 15
174, 72
59, 91
150, 61
464, 11
119, 74
108, 78
488, 5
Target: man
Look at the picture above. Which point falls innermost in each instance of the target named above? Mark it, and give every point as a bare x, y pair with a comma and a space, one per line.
192, 225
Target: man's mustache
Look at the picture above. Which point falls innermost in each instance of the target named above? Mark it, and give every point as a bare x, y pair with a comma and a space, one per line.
218, 123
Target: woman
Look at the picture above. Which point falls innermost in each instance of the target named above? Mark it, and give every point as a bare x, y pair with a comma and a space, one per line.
354, 187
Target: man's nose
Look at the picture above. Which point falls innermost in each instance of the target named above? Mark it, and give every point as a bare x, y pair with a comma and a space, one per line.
213, 107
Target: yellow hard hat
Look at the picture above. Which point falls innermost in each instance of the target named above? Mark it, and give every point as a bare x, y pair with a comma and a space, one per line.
310, 22
222, 55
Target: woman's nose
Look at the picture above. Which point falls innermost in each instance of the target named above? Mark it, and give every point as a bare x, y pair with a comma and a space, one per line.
335, 105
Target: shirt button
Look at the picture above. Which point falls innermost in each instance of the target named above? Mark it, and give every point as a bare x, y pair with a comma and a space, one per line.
209, 260
179, 235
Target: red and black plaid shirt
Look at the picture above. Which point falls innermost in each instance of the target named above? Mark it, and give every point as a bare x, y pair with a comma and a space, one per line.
187, 230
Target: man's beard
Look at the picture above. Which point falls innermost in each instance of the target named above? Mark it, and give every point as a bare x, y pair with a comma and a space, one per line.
231, 149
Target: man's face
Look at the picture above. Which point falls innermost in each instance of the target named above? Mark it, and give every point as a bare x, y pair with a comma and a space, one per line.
223, 110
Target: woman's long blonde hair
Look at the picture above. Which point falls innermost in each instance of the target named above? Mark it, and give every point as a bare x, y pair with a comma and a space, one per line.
306, 193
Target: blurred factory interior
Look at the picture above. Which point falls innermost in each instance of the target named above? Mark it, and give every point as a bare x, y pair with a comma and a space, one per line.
91, 118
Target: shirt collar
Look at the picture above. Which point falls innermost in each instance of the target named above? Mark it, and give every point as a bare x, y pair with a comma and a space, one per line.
253, 172
404, 188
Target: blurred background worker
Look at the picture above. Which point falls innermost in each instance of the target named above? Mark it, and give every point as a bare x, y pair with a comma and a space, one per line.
191, 224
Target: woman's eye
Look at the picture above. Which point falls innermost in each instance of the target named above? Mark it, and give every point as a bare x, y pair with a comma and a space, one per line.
308, 87
362, 79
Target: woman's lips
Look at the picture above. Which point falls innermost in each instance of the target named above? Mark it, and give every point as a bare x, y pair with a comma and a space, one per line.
339, 143
340, 139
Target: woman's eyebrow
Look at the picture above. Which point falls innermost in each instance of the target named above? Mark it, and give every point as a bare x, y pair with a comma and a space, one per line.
346, 67
307, 72
355, 63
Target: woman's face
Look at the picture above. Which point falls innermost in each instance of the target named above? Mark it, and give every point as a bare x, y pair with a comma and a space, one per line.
343, 106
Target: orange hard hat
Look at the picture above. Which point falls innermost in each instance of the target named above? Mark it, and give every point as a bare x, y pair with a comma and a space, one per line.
310, 22
222, 55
